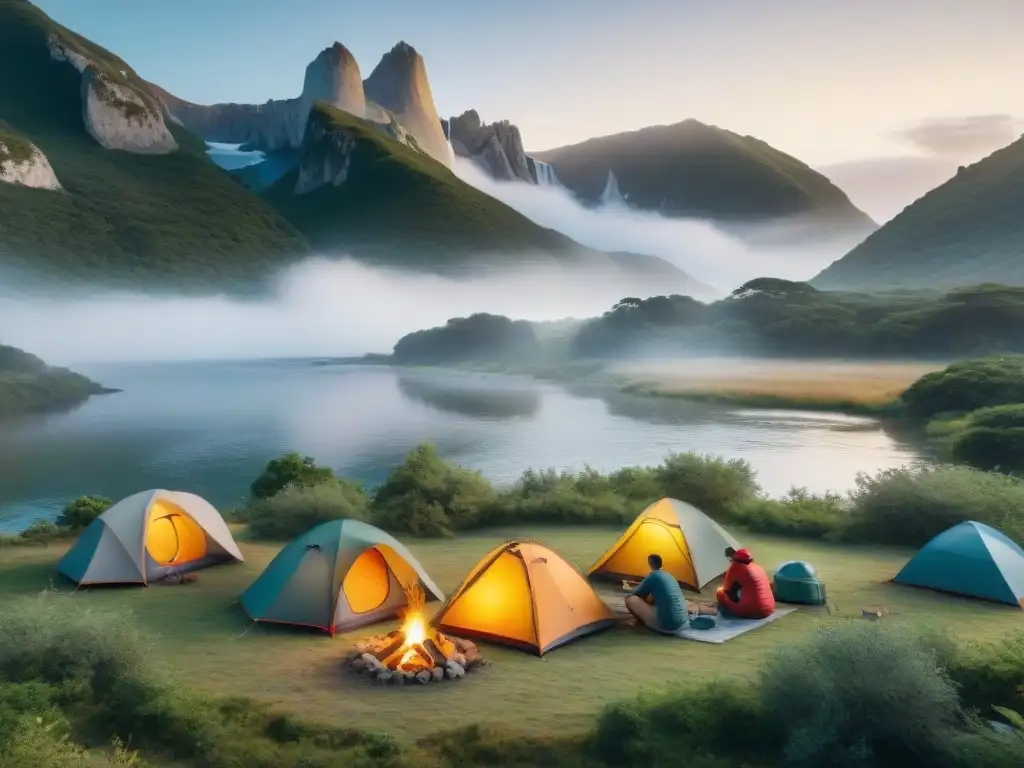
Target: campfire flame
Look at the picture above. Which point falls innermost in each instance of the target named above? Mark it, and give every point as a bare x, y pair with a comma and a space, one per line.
420, 647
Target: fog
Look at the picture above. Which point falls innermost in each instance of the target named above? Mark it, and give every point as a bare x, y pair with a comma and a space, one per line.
324, 308
698, 248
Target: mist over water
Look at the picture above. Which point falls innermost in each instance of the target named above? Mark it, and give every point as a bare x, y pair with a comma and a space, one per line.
697, 247
324, 308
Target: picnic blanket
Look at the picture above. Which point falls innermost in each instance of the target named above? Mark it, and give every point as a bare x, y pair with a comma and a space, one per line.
724, 629
728, 628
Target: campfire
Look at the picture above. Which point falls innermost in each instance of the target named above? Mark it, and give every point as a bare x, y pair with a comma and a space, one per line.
414, 651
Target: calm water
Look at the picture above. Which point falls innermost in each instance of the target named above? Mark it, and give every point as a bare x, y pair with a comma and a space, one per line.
210, 427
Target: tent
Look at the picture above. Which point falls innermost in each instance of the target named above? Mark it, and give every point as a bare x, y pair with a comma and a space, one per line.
691, 544
525, 595
969, 559
147, 537
340, 575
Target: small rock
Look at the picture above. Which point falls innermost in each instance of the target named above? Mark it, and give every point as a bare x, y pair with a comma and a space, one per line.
384, 677
437, 673
358, 664
398, 678
454, 670
424, 676
370, 659
464, 646
459, 659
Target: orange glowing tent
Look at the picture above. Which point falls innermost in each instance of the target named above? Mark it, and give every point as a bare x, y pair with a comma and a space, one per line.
691, 545
525, 595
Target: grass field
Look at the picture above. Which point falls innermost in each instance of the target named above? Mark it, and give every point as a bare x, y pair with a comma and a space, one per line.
204, 637
807, 383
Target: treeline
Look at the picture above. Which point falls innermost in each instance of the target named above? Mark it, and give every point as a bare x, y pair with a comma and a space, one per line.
767, 316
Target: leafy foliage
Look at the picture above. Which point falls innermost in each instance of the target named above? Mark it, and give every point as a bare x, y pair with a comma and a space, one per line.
290, 469
968, 386
477, 337
77, 514
27, 384
298, 508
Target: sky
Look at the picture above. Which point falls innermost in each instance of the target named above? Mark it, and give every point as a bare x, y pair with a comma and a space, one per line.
922, 84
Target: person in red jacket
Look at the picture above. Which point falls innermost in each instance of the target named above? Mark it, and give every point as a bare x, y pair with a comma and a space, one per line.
746, 592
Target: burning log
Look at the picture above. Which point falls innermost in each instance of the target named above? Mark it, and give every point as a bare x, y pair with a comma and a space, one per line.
396, 641
437, 656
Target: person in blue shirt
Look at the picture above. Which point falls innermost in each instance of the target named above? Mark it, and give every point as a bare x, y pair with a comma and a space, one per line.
668, 612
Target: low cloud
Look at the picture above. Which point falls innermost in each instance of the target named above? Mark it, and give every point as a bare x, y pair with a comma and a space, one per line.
966, 138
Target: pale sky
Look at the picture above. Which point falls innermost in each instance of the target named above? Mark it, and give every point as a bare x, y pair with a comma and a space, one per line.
829, 81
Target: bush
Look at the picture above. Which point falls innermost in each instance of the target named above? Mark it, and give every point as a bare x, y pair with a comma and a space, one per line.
799, 513
990, 449
991, 675
426, 496
77, 514
860, 694
910, 506
290, 469
547, 496
707, 723
712, 484
298, 508
58, 661
966, 386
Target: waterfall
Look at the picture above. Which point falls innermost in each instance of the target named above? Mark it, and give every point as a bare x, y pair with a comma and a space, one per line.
545, 174
611, 194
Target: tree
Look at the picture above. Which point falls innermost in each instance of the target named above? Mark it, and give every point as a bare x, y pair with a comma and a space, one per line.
79, 513
291, 469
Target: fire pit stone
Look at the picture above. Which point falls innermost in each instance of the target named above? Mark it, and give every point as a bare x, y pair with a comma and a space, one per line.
413, 653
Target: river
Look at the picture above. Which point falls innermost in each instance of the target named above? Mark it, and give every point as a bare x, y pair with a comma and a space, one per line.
210, 427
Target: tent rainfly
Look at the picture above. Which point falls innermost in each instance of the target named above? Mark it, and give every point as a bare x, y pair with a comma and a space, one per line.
970, 559
340, 575
524, 595
692, 546
147, 537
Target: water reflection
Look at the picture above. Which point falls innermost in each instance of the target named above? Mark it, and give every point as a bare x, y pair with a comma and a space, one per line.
479, 397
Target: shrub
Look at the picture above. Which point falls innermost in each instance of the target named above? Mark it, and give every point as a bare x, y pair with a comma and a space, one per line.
991, 675
39, 532
711, 483
860, 694
79, 513
799, 513
426, 496
998, 417
990, 449
547, 496
290, 469
966, 386
298, 508
702, 722
910, 506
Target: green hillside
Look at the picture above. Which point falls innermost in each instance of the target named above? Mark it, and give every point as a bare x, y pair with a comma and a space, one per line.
399, 205
690, 169
968, 230
174, 220
27, 384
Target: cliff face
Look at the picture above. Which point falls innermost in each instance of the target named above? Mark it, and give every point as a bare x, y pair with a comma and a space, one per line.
115, 113
326, 155
498, 147
399, 84
403, 109
22, 162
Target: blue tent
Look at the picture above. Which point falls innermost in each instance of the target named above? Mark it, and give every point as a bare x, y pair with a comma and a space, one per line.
970, 559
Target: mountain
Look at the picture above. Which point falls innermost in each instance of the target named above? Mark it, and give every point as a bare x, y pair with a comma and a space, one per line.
396, 97
103, 178
496, 147
694, 170
966, 231
129, 198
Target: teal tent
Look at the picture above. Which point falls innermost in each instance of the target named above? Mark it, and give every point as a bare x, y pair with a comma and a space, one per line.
969, 559
340, 575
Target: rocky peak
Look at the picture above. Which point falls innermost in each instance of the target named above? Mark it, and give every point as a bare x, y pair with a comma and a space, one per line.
327, 150
22, 162
399, 84
333, 76
497, 147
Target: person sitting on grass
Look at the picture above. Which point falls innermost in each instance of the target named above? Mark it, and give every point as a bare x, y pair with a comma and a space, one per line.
746, 592
668, 612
